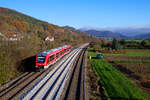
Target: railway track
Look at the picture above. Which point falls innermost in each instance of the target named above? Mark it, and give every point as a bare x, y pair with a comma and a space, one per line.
75, 87
45, 85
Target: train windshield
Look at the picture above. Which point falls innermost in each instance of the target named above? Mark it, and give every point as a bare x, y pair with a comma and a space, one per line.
41, 59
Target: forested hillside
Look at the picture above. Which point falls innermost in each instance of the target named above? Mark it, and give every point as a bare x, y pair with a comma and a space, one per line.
14, 22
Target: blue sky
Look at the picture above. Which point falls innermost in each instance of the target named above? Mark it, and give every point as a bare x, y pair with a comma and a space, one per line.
81, 13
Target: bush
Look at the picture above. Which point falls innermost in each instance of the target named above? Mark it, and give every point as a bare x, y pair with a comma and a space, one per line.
115, 44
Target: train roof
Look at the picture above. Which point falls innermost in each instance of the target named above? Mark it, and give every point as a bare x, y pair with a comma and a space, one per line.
44, 53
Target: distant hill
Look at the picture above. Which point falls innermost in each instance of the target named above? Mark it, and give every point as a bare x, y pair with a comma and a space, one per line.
74, 30
127, 31
142, 36
133, 31
69, 27
105, 34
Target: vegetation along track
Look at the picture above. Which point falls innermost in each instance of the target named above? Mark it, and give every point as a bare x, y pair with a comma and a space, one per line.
75, 87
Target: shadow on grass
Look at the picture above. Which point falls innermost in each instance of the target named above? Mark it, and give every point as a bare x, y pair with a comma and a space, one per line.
95, 58
91, 50
27, 65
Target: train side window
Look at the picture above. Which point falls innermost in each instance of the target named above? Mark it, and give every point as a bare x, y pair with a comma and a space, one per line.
51, 57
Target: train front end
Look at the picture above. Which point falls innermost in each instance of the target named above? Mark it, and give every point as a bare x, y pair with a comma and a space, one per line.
40, 61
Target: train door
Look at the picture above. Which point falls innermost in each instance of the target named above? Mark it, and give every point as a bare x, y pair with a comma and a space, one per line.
61, 52
52, 59
48, 60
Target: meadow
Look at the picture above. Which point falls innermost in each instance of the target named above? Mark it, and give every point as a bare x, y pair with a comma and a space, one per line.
116, 85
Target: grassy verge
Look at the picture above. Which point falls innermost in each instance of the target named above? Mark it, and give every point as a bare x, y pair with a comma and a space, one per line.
116, 85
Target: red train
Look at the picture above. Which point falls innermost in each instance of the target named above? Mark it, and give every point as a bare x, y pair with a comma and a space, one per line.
47, 58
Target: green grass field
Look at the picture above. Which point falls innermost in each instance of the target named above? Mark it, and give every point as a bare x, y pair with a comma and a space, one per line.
133, 40
130, 53
117, 86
